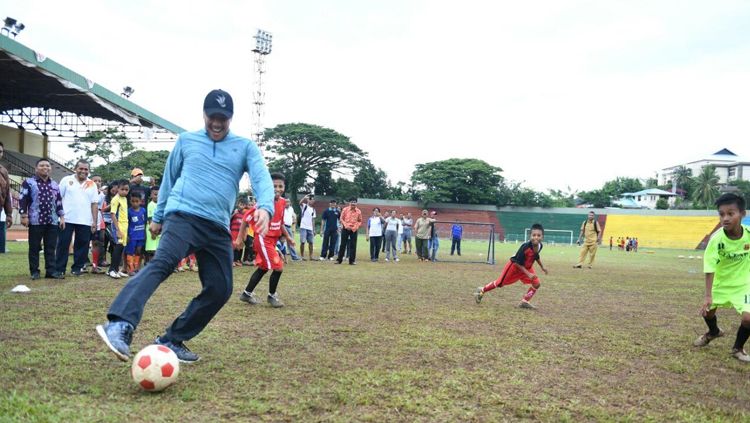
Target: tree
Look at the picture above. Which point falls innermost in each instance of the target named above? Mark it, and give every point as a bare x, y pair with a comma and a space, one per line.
682, 176
705, 187
151, 162
597, 198
301, 151
560, 198
652, 182
372, 182
620, 185
662, 204
743, 187
97, 146
513, 194
324, 183
468, 181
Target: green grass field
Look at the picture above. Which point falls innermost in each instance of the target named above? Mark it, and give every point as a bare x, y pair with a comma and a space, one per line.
388, 342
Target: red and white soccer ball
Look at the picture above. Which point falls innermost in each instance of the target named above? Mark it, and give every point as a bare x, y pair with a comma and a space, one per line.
155, 368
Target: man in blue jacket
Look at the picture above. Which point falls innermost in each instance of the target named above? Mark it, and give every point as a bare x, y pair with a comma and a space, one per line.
196, 198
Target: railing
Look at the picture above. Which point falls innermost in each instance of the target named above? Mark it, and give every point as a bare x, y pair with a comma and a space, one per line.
18, 167
58, 159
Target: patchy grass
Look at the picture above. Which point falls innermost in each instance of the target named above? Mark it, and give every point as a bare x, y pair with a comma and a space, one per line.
388, 341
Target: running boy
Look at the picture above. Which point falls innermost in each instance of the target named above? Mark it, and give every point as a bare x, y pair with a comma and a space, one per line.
521, 267
726, 264
266, 256
119, 212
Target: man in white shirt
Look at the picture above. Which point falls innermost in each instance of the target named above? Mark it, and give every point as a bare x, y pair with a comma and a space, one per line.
80, 199
306, 225
290, 221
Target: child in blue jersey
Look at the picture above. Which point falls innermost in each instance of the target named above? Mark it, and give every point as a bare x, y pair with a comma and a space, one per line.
136, 235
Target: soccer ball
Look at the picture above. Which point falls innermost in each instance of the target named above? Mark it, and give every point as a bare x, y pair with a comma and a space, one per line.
155, 368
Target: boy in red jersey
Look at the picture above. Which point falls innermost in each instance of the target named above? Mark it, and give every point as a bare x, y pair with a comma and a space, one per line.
520, 267
266, 256
234, 227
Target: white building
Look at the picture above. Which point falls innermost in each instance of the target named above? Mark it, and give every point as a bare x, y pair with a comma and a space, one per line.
644, 199
729, 167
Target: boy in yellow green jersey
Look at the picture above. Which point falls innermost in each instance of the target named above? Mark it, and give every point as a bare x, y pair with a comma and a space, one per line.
152, 241
726, 264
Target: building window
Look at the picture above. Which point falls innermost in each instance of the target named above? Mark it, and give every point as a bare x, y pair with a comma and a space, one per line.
732, 173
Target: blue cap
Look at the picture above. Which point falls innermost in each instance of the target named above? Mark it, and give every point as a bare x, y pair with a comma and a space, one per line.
218, 102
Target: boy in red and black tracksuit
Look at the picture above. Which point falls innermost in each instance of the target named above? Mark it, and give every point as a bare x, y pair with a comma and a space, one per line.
521, 267
235, 223
266, 256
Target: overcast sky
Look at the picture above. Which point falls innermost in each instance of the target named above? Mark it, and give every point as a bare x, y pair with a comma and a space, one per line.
556, 93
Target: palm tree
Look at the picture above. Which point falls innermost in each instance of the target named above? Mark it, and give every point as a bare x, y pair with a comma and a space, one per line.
705, 186
681, 175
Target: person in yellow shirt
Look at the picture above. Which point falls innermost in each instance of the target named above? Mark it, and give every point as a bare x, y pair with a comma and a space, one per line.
591, 234
119, 212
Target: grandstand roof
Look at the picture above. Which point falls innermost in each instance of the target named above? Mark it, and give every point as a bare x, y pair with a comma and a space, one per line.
30, 79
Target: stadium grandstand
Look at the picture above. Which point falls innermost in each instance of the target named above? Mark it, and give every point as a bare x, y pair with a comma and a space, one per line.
43, 102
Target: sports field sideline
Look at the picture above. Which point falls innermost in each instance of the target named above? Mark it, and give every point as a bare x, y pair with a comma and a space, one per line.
389, 342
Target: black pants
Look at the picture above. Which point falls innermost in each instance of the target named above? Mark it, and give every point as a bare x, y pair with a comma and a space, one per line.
80, 246
456, 245
348, 240
182, 234
375, 244
37, 235
329, 243
249, 252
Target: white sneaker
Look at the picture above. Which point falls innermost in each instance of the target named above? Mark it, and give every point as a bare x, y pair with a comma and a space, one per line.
114, 275
331, 259
386, 259
740, 355
321, 259
123, 274
396, 260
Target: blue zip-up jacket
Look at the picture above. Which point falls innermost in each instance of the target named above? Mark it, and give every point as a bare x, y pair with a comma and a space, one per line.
202, 177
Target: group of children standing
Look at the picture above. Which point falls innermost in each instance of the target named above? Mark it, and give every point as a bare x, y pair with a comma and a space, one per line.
123, 230
627, 244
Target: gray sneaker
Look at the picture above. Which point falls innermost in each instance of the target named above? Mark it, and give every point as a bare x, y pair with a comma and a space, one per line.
274, 301
706, 338
740, 355
478, 294
526, 304
117, 336
250, 299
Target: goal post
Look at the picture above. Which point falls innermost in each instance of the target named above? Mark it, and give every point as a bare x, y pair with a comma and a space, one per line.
477, 242
552, 236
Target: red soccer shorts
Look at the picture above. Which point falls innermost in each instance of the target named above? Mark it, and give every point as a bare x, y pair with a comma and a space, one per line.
512, 274
266, 255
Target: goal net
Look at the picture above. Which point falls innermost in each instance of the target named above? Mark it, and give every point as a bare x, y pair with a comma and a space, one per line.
477, 242
552, 236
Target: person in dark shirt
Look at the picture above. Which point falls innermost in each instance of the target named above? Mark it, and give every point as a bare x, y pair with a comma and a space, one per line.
41, 210
329, 230
520, 268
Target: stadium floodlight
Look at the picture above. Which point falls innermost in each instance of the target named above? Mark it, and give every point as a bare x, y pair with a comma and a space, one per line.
127, 92
263, 41
11, 27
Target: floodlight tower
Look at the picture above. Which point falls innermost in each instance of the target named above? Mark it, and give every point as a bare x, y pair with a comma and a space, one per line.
262, 48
